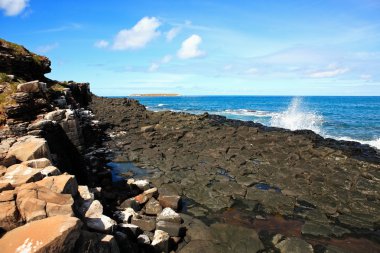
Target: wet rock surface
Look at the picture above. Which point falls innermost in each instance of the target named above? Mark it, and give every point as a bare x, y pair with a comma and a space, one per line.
331, 186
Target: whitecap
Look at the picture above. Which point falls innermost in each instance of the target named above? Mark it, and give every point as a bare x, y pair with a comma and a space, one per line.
297, 117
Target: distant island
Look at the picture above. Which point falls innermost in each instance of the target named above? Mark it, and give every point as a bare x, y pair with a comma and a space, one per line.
156, 95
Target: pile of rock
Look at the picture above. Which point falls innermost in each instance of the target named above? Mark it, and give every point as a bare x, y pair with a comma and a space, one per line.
150, 218
35, 193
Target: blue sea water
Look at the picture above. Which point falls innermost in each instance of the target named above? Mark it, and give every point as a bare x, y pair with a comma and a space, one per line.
344, 118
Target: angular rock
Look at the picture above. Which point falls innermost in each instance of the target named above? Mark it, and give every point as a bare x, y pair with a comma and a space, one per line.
153, 207
146, 129
171, 201
32, 209
56, 115
31, 87
85, 193
143, 239
50, 171
145, 223
161, 241
62, 234
101, 224
108, 244
9, 215
40, 163
19, 174
21, 97
295, 245
126, 215
61, 184
169, 215
53, 209
129, 229
173, 229
29, 148
91, 209
40, 125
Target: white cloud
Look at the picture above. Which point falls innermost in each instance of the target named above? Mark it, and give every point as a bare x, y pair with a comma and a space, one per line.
154, 67
172, 33
138, 36
13, 7
227, 67
189, 48
328, 73
46, 48
101, 44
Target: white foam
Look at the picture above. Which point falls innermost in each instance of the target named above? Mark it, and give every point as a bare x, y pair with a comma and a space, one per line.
161, 105
296, 117
373, 143
245, 112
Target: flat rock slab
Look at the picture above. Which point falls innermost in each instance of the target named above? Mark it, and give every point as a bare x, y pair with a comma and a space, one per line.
55, 234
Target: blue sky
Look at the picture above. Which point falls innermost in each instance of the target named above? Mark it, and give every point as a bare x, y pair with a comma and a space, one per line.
202, 47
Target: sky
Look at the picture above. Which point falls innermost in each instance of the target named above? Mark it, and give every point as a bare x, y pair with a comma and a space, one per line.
204, 47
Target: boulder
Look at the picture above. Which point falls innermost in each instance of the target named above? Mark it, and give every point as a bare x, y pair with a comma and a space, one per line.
19, 174
91, 209
143, 239
21, 97
29, 148
295, 245
37, 163
32, 87
56, 115
101, 224
52, 235
169, 200
53, 209
131, 230
50, 171
32, 209
146, 129
160, 241
153, 207
61, 184
108, 244
173, 229
9, 216
169, 215
126, 215
40, 125
84, 192
146, 223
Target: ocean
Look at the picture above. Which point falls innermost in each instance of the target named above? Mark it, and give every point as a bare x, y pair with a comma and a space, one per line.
343, 118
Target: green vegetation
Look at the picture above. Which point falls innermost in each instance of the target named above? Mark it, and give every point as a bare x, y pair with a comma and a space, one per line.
21, 51
59, 86
8, 88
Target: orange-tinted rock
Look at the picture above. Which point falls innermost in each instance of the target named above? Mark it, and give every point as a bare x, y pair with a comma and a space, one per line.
9, 216
55, 210
32, 209
61, 184
7, 196
19, 174
52, 235
38, 163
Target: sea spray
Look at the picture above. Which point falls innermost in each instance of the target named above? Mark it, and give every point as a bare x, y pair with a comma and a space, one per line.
297, 117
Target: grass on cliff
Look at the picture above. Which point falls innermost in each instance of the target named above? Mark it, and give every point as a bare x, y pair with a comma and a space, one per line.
60, 86
8, 88
21, 51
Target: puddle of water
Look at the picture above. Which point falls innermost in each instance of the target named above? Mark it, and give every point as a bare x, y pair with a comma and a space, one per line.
128, 169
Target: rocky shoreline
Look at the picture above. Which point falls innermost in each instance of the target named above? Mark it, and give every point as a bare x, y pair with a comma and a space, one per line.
247, 176
212, 184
